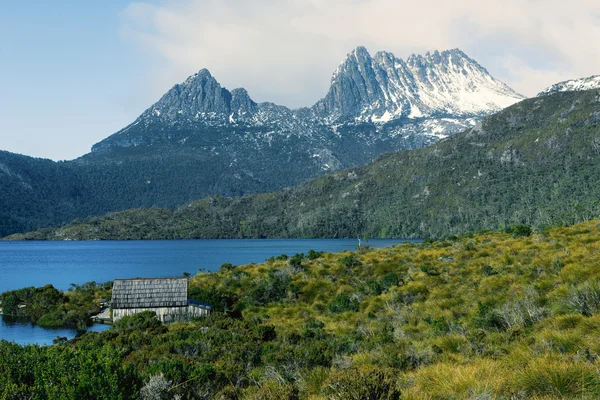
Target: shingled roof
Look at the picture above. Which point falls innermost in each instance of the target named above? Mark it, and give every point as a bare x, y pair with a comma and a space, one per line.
149, 293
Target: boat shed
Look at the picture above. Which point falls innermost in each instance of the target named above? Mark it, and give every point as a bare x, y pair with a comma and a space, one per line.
167, 297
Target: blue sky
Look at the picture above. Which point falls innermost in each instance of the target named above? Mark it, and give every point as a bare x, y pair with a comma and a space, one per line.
75, 72
67, 77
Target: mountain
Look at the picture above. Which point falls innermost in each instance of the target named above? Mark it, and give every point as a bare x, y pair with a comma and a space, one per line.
381, 101
384, 87
202, 139
536, 163
589, 83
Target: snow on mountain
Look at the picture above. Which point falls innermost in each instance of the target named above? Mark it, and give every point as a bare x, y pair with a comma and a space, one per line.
404, 104
589, 83
383, 87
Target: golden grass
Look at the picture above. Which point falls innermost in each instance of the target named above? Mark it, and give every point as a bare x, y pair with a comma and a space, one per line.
463, 283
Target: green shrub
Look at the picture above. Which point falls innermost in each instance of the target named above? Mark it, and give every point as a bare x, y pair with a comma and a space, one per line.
519, 231
350, 261
10, 304
226, 267
486, 318
343, 302
313, 255
296, 260
439, 326
313, 328
391, 279
378, 287
219, 300
470, 245
487, 270
140, 321
272, 288
430, 270
51, 320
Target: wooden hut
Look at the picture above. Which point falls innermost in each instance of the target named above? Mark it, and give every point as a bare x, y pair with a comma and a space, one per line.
168, 298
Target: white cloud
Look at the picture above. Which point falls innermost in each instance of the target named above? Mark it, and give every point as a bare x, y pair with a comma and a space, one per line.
285, 50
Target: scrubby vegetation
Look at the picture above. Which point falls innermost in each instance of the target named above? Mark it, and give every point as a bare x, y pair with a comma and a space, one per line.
51, 308
496, 315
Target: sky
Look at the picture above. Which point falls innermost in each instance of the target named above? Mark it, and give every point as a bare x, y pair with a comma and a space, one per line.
74, 72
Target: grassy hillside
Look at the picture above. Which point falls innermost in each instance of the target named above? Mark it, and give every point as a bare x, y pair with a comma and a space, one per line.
479, 317
535, 163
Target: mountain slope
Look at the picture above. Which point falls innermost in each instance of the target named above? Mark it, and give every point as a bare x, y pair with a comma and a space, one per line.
26, 183
535, 163
201, 139
573, 85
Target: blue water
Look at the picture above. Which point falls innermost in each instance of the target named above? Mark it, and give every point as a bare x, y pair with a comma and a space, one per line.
26, 333
24, 264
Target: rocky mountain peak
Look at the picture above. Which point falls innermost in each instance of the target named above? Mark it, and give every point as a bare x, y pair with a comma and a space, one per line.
201, 97
198, 95
353, 85
241, 103
361, 52
385, 87
376, 88
357, 57
427, 96
203, 74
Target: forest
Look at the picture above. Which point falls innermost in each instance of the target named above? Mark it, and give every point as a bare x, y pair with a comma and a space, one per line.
512, 314
535, 163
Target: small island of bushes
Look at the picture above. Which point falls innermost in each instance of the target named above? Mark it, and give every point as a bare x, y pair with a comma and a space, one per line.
49, 307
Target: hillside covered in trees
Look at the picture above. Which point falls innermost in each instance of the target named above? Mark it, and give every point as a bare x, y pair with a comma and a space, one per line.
498, 315
535, 163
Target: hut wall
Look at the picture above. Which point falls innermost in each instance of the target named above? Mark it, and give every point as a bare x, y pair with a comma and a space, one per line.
164, 314
198, 311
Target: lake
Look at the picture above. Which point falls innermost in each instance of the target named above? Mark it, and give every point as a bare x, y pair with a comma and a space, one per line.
25, 333
24, 264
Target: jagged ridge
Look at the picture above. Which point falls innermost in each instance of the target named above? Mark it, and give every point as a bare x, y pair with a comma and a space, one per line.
384, 87
448, 87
